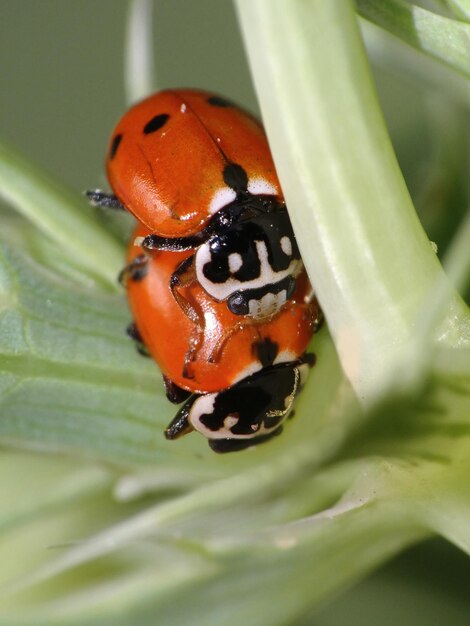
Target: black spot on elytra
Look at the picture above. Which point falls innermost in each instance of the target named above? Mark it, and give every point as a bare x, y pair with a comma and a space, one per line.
217, 101
235, 177
156, 123
114, 146
266, 351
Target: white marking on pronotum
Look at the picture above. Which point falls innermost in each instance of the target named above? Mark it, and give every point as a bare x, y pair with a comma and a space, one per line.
221, 198
261, 187
235, 262
303, 370
138, 241
247, 371
268, 305
230, 421
203, 405
285, 356
286, 245
183, 108
267, 276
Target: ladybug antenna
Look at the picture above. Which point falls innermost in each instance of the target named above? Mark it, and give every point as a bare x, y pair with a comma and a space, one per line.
103, 200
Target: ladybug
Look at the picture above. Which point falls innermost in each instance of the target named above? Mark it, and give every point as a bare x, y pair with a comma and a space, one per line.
237, 379
214, 279
197, 172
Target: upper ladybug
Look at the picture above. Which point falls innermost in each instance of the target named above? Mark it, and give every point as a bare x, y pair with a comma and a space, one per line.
179, 156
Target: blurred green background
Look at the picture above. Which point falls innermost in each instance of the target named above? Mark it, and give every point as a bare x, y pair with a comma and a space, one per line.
62, 89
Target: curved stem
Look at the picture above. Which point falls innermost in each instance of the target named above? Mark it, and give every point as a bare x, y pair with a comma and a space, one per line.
60, 215
369, 259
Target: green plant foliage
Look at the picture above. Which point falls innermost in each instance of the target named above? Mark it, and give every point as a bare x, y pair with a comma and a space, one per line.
443, 38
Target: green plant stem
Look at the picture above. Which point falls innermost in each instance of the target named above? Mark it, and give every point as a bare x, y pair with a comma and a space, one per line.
139, 71
58, 214
368, 257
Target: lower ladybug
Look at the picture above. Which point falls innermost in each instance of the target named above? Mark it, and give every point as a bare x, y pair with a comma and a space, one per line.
237, 377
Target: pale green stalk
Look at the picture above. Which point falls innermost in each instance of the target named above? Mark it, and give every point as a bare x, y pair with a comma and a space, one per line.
367, 255
139, 71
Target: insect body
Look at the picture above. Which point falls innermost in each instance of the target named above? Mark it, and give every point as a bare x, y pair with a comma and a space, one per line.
238, 378
198, 173
215, 279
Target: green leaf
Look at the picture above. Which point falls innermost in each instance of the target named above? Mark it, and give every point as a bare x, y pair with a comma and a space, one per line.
60, 216
442, 38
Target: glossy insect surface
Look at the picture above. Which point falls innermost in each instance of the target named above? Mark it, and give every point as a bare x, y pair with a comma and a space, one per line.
197, 172
215, 280
241, 375
178, 157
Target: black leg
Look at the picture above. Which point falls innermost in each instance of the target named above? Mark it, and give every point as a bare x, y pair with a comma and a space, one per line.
175, 394
309, 358
104, 200
180, 425
134, 334
136, 270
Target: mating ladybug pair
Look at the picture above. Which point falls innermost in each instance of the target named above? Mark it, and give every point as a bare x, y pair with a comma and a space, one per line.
215, 282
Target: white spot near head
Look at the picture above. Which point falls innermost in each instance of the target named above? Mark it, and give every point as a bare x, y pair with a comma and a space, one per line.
304, 370
261, 187
267, 276
285, 356
235, 262
286, 245
203, 405
230, 421
267, 306
250, 369
138, 241
221, 198
183, 108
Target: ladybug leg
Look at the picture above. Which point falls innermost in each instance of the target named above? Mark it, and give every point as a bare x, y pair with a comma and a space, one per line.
313, 310
194, 344
134, 334
104, 200
136, 270
184, 276
216, 353
309, 358
180, 424
175, 394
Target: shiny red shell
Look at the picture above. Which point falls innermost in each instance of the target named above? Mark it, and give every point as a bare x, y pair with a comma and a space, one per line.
167, 331
167, 155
